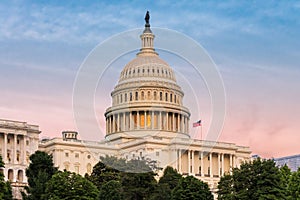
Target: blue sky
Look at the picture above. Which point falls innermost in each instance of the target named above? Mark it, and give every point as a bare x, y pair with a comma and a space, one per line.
255, 45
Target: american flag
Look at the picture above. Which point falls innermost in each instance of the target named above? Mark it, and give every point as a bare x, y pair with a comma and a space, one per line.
198, 123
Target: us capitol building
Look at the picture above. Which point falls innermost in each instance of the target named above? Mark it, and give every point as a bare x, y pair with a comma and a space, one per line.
147, 120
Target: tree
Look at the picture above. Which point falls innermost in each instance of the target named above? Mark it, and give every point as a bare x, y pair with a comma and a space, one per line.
104, 171
260, 179
294, 186
111, 190
166, 184
191, 188
38, 173
135, 176
5, 187
68, 186
286, 174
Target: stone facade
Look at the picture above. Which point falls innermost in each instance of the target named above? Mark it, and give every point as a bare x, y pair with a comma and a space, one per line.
18, 141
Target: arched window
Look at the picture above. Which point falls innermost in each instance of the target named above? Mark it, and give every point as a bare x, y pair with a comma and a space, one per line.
121, 98
125, 97
130, 96
149, 95
175, 98
166, 96
10, 175
154, 95
20, 176
160, 96
143, 95
136, 96
171, 98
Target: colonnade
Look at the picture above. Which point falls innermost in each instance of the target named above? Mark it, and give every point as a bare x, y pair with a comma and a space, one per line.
147, 120
209, 164
16, 152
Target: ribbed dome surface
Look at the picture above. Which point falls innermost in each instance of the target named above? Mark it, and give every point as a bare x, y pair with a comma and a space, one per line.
145, 65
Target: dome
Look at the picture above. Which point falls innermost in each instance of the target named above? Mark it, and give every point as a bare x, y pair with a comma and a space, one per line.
147, 66
147, 101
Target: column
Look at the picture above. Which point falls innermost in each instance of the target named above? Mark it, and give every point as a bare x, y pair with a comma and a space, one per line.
118, 122
113, 123
189, 162
24, 149
234, 161
124, 121
202, 164
130, 120
219, 165
138, 120
179, 160
15, 149
5, 148
106, 126
210, 165
193, 163
152, 120
230, 165
159, 121
182, 124
173, 121
222, 165
109, 124
167, 120
178, 122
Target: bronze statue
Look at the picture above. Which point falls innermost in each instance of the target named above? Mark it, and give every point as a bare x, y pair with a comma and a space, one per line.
147, 17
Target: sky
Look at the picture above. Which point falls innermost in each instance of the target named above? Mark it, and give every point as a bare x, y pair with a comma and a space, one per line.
254, 44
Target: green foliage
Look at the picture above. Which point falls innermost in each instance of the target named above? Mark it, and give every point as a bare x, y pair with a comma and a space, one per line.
294, 186
111, 190
191, 188
260, 179
68, 186
103, 172
137, 186
5, 188
38, 173
135, 177
166, 184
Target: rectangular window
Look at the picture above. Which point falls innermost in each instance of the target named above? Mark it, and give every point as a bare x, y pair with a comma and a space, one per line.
67, 154
76, 155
